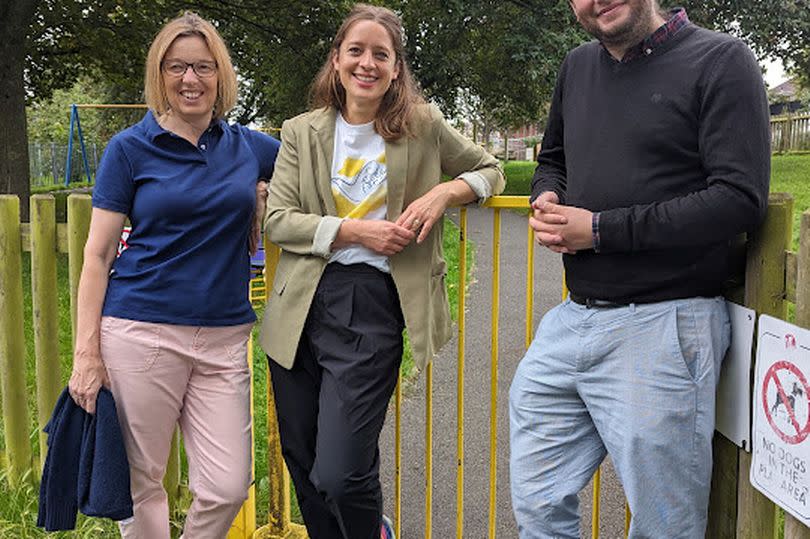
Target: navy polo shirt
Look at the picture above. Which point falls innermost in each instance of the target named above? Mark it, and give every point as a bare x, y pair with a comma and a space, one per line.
190, 208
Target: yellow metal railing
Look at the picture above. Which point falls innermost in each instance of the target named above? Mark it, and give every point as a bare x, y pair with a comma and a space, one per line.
493, 372
279, 516
462, 316
497, 204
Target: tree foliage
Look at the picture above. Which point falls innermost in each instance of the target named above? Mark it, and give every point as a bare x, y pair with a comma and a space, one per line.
278, 56
778, 29
276, 46
497, 59
49, 119
505, 53
494, 60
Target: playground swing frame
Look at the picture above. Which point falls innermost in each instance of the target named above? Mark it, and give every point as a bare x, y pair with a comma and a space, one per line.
76, 127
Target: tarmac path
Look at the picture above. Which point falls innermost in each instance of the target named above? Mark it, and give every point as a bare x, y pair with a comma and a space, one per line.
547, 292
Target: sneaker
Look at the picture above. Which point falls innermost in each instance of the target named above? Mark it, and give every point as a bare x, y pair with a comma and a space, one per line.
387, 529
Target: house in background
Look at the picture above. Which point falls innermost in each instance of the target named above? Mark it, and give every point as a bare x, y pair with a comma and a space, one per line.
785, 98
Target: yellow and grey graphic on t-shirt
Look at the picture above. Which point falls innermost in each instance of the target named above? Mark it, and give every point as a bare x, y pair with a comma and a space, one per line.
360, 187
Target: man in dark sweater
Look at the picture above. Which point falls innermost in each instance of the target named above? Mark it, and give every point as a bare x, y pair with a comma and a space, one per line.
656, 154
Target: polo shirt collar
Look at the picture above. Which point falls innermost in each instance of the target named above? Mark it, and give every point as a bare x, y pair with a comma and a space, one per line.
153, 130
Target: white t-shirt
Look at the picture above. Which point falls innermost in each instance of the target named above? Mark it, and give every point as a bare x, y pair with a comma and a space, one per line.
359, 185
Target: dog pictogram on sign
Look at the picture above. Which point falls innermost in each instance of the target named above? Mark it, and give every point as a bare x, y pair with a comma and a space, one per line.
785, 399
780, 434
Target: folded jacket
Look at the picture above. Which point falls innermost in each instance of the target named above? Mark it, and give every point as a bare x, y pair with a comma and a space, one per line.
86, 467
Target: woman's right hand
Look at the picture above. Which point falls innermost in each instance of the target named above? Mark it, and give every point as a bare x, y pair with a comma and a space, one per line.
89, 374
382, 237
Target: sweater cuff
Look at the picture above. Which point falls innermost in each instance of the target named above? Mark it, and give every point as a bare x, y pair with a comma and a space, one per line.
478, 183
595, 231
61, 516
325, 234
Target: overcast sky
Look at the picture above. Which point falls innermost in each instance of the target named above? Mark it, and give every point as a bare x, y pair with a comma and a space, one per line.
774, 73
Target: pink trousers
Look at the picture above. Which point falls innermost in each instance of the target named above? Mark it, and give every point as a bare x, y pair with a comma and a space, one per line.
162, 375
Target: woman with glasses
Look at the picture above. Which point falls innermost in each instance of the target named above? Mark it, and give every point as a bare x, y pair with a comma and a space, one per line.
356, 204
165, 325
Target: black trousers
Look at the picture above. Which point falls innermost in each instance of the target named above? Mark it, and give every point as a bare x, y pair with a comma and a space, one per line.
331, 405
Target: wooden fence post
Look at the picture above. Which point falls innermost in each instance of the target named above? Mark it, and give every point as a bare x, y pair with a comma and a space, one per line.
765, 293
45, 310
79, 209
723, 497
788, 134
794, 529
12, 341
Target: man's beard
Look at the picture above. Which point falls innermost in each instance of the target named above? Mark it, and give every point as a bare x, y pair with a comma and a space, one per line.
631, 32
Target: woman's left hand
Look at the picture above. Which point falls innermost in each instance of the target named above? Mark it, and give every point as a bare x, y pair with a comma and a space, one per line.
422, 213
258, 217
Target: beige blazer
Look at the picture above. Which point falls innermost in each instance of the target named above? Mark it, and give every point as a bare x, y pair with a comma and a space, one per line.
300, 195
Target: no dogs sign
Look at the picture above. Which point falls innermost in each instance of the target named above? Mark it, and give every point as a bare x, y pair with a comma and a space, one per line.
781, 447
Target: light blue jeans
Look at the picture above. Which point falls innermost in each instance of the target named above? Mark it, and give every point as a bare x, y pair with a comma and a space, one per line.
637, 382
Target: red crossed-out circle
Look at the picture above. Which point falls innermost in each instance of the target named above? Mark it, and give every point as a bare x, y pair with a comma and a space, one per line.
801, 431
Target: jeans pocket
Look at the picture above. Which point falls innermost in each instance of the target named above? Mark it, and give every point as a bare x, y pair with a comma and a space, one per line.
235, 345
686, 340
130, 346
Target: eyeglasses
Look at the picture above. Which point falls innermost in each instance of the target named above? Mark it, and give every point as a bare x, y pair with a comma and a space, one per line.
178, 68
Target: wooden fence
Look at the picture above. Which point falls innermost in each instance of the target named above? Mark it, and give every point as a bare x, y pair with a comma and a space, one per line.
790, 133
773, 277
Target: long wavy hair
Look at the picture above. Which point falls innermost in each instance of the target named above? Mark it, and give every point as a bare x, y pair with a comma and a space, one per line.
396, 116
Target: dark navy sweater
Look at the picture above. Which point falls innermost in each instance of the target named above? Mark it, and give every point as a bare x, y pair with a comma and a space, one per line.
672, 149
86, 468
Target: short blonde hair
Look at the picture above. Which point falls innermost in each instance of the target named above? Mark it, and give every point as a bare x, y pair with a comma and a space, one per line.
189, 24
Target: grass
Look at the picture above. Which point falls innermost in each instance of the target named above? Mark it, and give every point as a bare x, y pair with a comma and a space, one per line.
18, 505
790, 173
52, 189
518, 177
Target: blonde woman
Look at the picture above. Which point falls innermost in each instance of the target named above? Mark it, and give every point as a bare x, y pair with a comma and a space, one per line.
356, 204
166, 324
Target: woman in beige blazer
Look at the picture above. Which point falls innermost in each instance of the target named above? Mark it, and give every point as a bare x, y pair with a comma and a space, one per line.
356, 204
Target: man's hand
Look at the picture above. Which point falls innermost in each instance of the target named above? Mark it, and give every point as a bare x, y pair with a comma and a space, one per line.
563, 229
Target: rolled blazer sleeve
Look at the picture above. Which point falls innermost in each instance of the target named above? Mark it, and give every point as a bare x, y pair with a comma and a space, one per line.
462, 158
286, 222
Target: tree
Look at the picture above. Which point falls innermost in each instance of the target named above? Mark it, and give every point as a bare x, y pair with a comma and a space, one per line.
503, 56
772, 28
49, 119
15, 16
277, 57
44, 46
500, 58
47, 45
